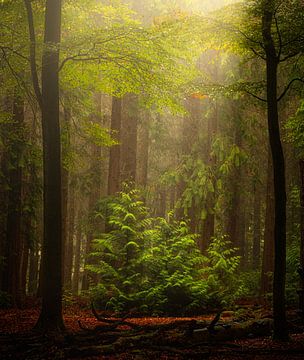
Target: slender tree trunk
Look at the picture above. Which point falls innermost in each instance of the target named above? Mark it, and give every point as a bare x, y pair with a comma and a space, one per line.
301, 269
14, 210
279, 312
69, 248
76, 272
256, 247
143, 153
3, 216
129, 139
96, 170
23, 271
114, 185
66, 201
33, 272
51, 312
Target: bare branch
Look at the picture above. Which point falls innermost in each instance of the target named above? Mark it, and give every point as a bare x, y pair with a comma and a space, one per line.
289, 56
288, 87
257, 54
255, 96
7, 48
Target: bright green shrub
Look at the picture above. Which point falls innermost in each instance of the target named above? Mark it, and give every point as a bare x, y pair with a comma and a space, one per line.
154, 266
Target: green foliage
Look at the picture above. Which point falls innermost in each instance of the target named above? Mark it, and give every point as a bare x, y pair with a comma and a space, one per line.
223, 280
295, 130
152, 265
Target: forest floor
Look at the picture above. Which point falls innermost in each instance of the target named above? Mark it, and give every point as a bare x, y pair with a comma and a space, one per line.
230, 336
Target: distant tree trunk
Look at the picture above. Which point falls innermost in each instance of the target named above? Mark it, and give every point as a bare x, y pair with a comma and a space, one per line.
256, 246
11, 282
67, 200
301, 269
272, 61
50, 318
114, 184
162, 208
129, 139
33, 272
76, 273
96, 170
236, 211
23, 271
268, 250
3, 216
68, 265
209, 223
143, 153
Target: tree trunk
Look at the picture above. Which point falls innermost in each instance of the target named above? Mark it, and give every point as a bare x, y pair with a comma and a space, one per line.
301, 269
66, 202
143, 153
256, 247
96, 170
33, 272
11, 282
129, 139
23, 271
76, 272
68, 265
50, 318
114, 185
279, 313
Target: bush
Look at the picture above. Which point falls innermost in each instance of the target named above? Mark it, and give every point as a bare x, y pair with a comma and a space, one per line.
154, 266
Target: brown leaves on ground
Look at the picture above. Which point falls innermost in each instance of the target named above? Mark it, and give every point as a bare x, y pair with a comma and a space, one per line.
17, 342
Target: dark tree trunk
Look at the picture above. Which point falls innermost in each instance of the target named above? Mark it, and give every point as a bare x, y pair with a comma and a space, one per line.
33, 272
272, 61
301, 269
23, 271
51, 312
256, 246
3, 216
114, 185
11, 281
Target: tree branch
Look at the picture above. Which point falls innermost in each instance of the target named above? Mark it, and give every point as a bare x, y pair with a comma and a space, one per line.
255, 96
34, 72
288, 87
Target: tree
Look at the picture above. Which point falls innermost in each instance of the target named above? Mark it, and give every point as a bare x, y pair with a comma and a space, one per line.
50, 318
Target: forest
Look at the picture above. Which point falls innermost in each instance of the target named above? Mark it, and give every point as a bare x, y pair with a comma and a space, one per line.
151, 179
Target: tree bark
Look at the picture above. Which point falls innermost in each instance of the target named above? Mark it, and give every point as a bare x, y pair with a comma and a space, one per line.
129, 139
272, 61
256, 247
301, 269
11, 280
114, 185
51, 318
76, 272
